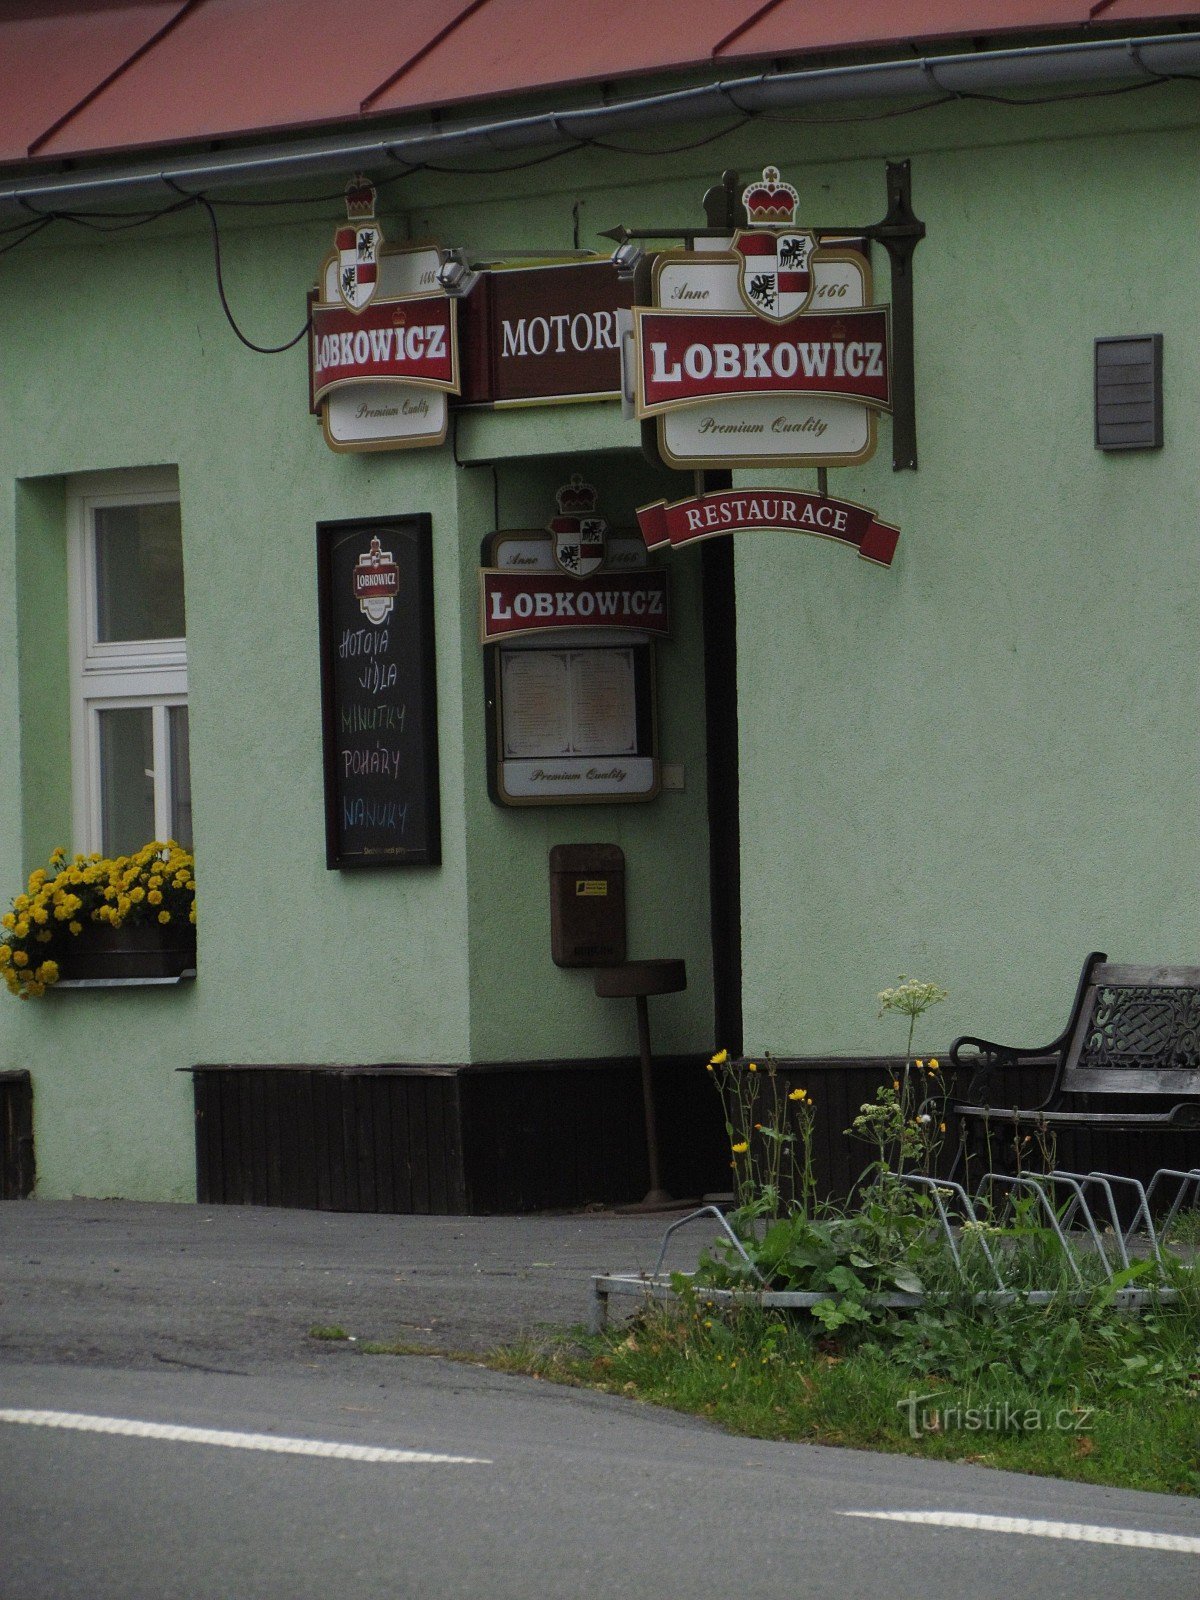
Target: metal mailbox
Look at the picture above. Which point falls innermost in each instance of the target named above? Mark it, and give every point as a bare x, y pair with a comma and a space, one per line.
587, 905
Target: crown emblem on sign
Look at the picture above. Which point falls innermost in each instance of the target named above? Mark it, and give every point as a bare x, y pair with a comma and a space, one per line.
358, 243
770, 203
360, 199
577, 499
578, 535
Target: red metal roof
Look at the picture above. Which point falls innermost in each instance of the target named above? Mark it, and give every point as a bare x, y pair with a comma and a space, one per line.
51, 57
250, 66
518, 45
809, 25
85, 76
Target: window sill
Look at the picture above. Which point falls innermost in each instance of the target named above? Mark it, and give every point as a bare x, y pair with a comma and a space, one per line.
120, 983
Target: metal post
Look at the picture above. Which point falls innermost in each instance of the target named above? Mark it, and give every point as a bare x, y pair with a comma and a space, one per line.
658, 1194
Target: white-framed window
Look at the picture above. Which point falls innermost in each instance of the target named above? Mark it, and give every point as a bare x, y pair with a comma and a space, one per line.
129, 713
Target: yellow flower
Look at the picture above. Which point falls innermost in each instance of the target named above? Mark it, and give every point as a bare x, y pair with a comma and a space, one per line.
740, 1148
154, 898
20, 958
933, 1063
798, 1094
138, 894
752, 1066
8, 920
75, 928
48, 972
164, 916
920, 1065
719, 1060
5, 954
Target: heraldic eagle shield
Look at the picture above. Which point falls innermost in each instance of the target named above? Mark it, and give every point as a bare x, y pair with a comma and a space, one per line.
579, 534
358, 246
775, 273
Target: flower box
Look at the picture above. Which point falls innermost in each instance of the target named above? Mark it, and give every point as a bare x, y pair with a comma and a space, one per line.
128, 919
135, 951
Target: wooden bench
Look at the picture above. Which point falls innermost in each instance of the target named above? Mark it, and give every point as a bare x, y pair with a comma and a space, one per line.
1127, 1060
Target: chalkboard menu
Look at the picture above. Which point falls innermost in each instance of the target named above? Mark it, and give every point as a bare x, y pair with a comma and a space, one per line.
375, 586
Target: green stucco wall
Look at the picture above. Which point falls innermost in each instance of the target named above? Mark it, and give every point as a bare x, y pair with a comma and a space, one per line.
974, 766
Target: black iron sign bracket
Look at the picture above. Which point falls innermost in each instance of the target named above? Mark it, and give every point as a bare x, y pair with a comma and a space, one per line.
899, 232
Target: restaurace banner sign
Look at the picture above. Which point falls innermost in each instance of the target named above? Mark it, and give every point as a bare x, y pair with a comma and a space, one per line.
765, 350
726, 511
383, 339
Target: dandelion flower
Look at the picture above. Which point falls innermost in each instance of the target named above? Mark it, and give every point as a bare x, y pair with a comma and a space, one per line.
740, 1148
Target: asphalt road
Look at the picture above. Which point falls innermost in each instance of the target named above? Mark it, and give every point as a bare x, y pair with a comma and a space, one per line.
187, 1328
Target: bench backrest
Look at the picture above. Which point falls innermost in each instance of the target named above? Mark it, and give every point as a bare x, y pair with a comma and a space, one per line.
1138, 1033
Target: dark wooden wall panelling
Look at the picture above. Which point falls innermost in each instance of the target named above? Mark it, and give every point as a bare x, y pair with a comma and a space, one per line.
530, 1136
17, 1170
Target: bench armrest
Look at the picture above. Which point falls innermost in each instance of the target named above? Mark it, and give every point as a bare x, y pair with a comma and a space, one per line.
989, 1054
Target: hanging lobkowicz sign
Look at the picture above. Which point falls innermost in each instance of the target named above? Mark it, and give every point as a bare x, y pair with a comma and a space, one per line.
383, 338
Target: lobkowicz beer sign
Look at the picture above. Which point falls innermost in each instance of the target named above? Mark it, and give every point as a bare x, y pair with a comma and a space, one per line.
767, 351
383, 338
574, 574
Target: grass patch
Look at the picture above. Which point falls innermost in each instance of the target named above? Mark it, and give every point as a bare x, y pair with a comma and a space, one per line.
330, 1332
1092, 1394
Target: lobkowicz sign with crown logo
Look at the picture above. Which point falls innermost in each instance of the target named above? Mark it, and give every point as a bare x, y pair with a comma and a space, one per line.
569, 616
575, 574
383, 338
767, 352
764, 350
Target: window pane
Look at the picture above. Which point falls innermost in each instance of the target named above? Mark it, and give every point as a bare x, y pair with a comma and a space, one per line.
139, 573
181, 777
126, 779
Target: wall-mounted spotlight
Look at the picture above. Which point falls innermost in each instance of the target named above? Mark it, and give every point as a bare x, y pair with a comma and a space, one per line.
455, 275
627, 258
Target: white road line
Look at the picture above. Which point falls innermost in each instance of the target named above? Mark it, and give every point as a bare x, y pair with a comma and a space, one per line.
236, 1441
1083, 1532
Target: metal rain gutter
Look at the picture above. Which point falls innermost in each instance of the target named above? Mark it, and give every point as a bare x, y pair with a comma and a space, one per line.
1157, 58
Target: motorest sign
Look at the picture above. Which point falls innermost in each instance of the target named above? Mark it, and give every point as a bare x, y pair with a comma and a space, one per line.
543, 334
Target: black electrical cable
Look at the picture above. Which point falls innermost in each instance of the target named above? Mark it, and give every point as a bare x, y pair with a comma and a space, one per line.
30, 229
259, 349
671, 150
